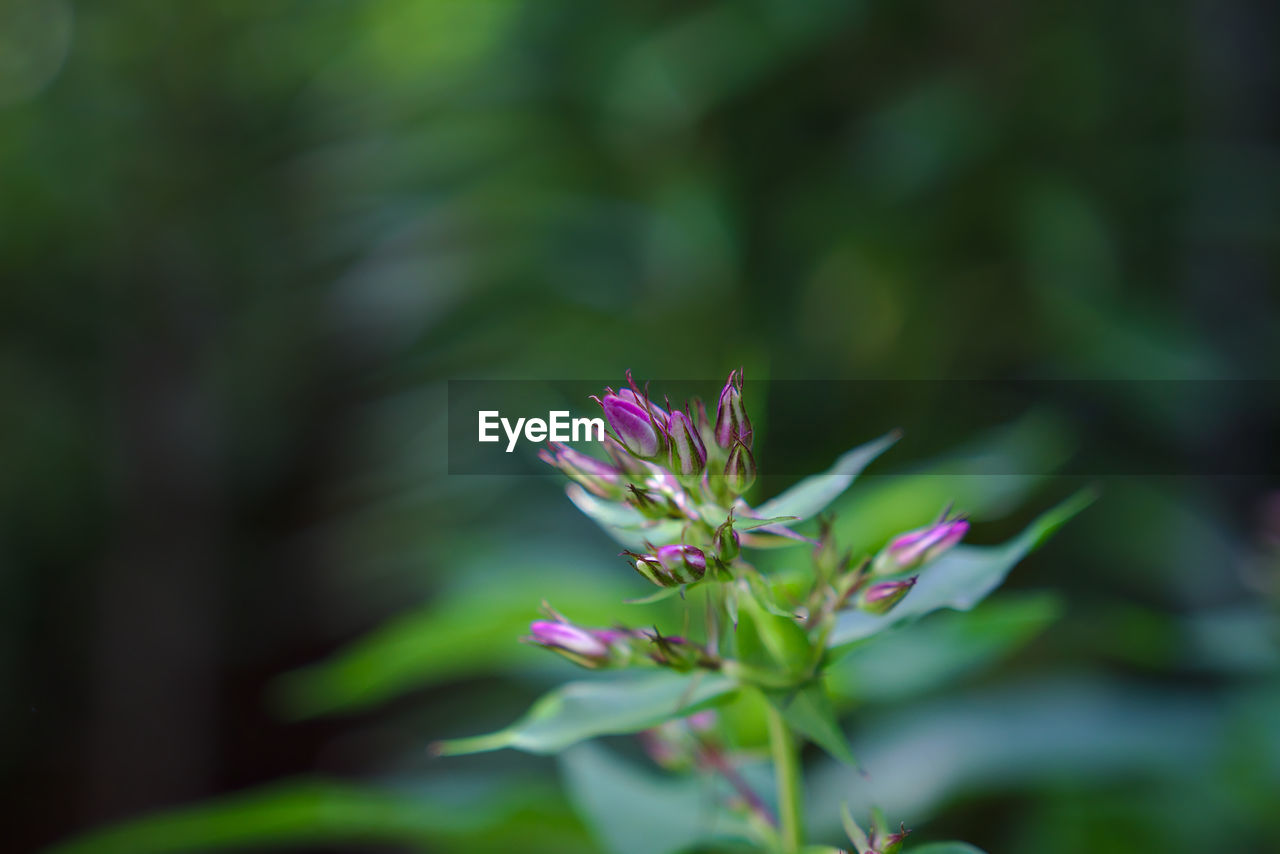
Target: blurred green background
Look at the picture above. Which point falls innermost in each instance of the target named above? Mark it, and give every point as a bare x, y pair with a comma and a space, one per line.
245, 245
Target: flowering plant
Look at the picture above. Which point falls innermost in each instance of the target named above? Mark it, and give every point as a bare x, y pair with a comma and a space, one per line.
671, 491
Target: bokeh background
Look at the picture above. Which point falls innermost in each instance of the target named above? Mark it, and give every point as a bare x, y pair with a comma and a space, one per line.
245, 246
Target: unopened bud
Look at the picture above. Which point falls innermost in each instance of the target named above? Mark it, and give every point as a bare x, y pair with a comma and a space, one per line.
880, 598
592, 648
892, 843
679, 653
649, 504
635, 428
599, 477
688, 456
732, 423
739, 469
918, 547
670, 566
686, 564
726, 542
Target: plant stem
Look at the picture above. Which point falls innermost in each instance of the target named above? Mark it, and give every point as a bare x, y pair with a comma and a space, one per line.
786, 767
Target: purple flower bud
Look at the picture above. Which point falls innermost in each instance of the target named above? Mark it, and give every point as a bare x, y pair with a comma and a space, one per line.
918, 547
597, 476
652, 569
880, 598
732, 424
588, 647
634, 427
686, 564
632, 396
688, 454
739, 469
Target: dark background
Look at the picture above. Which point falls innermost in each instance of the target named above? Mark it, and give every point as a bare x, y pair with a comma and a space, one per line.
243, 246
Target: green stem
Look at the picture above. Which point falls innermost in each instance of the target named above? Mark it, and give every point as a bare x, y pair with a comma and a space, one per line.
786, 766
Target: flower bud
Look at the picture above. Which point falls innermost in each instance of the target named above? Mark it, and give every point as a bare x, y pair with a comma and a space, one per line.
739, 469
688, 456
892, 843
622, 458
918, 547
631, 395
650, 504
652, 569
679, 653
635, 428
686, 564
726, 542
598, 477
732, 424
593, 648
880, 598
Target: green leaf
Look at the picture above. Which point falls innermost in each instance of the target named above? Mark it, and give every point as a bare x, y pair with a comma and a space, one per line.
580, 710
468, 630
960, 579
808, 711
311, 813
624, 523
634, 812
994, 740
946, 848
771, 643
808, 497
748, 523
912, 660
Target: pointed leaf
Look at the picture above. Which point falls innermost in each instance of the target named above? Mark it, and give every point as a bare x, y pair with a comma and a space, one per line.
961, 578
581, 710
634, 812
624, 523
808, 711
808, 497
662, 595
470, 629
747, 523
322, 813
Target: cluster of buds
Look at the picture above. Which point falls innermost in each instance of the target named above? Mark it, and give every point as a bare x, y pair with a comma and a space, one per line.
682, 443
597, 649
671, 566
843, 585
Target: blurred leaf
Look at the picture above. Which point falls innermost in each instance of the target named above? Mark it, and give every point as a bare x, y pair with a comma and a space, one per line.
622, 522
960, 578
582, 710
633, 812
1014, 738
946, 848
809, 711
317, 813
808, 497
913, 659
468, 630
